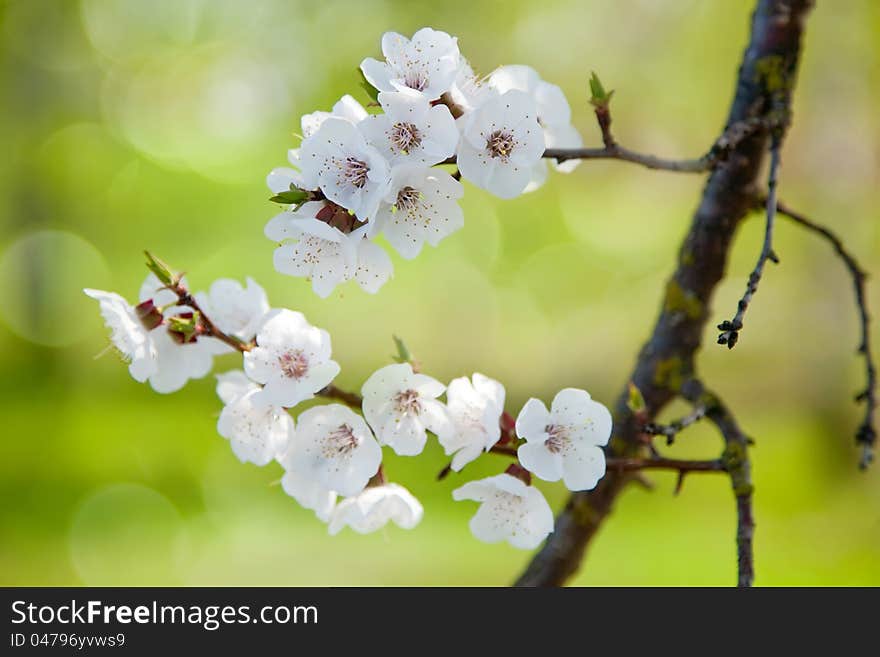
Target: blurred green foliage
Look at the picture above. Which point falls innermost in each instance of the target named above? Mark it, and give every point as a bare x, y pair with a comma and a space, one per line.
129, 125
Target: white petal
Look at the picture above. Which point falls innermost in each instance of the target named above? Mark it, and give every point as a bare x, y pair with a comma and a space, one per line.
233, 385
532, 421
583, 467
281, 179
309, 494
540, 461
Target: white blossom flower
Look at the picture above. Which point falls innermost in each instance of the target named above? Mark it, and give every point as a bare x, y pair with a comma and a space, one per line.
564, 442
373, 508
469, 91
554, 114
501, 143
510, 510
234, 309
313, 249
401, 405
127, 333
176, 362
345, 108
475, 406
282, 179
309, 493
411, 130
428, 63
335, 448
258, 432
292, 359
421, 207
350, 172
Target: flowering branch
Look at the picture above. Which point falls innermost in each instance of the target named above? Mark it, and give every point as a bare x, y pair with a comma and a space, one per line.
866, 435
730, 328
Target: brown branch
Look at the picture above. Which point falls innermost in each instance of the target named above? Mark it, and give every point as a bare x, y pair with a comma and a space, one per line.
207, 326
210, 329
667, 359
737, 464
617, 152
730, 139
672, 429
349, 398
682, 466
730, 328
866, 435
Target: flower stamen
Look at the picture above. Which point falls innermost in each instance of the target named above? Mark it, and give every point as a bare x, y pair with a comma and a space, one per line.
405, 136
500, 144
407, 402
294, 364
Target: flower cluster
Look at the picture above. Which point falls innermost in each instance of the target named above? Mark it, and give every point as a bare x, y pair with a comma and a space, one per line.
358, 175
332, 453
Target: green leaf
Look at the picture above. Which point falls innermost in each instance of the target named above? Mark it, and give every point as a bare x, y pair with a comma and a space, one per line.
600, 97
161, 269
634, 401
293, 196
403, 353
372, 92
185, 326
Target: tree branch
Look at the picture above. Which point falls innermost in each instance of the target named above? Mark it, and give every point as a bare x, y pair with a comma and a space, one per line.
349, 398
866, 435
672, 429
667, 359
732, 136
730, 328
737, 464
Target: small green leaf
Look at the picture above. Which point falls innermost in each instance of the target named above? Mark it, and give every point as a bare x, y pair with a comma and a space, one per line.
185, 325
600, 97
293, 196
634, 401
403, 353
372, 92
161, 269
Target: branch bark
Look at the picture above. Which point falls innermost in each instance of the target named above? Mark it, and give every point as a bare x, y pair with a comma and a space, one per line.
666, 361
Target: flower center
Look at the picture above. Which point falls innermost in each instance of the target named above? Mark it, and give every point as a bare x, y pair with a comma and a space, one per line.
415, 79
294, 364
405, 136
340, 441
557, 438
407, 198
355, 171
500, 144
407, 401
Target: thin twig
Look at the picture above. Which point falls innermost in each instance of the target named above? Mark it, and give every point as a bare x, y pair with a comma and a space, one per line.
730, 328
634, 464
210, 329
866, 436
736, 462
349, 398
674, 428
618, 152
719, 151
659, 463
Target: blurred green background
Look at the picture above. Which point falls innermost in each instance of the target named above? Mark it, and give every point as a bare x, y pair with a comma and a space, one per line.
128, 125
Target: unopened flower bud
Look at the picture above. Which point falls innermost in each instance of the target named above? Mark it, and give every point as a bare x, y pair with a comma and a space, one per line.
148, 314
